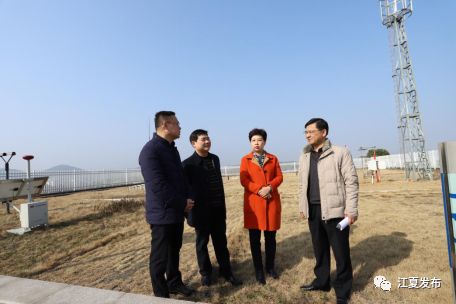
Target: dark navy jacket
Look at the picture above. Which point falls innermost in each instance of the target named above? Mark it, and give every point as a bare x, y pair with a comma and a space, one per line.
166, 188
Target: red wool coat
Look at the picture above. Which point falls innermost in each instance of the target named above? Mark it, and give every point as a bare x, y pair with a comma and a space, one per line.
260, 213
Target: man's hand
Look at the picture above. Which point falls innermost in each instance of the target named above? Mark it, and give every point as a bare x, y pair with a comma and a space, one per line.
265, 192
190, 204
351, 218
302, 215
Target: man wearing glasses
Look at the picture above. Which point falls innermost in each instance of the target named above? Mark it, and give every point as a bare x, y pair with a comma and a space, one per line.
167, 199
328, 193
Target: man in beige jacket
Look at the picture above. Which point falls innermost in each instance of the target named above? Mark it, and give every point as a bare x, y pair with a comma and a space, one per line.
328, 193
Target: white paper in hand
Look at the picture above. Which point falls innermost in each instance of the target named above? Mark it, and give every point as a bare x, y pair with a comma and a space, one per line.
343, 223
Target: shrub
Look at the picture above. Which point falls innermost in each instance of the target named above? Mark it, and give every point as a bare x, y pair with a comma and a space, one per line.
378, 152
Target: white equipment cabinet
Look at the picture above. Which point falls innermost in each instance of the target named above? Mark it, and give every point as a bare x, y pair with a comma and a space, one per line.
33, 214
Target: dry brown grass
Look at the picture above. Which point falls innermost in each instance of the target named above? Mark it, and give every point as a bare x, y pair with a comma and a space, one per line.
95, 241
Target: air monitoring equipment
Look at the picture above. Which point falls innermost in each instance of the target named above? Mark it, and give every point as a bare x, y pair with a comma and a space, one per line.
32, 214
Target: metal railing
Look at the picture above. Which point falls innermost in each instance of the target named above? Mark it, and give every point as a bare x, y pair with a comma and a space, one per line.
286, 167
393, 161
80, 180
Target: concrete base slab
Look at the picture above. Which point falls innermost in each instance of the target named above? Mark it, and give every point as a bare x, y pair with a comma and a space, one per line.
25, 291
19, 231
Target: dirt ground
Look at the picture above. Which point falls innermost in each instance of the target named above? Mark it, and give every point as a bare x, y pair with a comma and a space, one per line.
95, 241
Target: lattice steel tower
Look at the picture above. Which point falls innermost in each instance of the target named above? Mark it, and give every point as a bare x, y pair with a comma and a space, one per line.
394, 13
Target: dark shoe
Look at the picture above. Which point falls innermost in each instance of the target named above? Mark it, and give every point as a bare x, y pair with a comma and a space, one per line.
259, 275
342, 301
233, 280
206, 280
181, 289
160, 295
312, 287
273, 273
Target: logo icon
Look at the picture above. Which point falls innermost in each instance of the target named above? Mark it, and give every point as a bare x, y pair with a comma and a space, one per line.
382, 283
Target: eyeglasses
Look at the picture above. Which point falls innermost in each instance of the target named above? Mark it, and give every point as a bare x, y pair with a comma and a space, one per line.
310, 131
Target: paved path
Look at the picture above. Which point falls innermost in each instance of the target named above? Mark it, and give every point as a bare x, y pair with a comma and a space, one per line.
25, 291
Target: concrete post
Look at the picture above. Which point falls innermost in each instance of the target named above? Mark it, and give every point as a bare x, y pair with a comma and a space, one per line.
447, 152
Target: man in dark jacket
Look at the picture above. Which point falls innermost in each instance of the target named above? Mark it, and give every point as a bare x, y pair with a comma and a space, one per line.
208, 216
167, 199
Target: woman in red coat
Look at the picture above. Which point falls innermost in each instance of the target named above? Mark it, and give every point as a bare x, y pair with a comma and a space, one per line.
261, 176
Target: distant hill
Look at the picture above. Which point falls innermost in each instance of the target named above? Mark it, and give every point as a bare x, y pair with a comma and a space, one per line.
63, 168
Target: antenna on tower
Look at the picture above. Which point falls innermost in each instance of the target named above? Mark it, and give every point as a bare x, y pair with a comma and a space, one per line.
417, 166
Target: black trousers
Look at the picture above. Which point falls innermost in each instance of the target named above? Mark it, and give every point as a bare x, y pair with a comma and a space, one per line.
164, 257
215, 228
325, 235
255, 248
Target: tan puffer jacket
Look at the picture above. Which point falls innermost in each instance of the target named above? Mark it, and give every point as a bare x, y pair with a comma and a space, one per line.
337, 178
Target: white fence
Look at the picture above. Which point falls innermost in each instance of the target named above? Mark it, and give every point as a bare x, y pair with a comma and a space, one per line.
79, 180
396, 161
234, 170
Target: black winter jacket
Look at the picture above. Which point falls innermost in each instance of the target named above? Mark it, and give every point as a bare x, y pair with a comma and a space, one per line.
166, 188
197, 180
